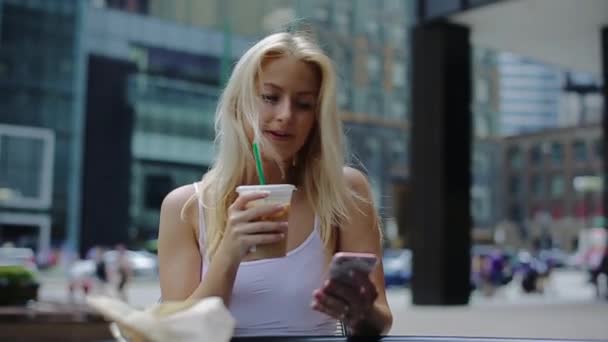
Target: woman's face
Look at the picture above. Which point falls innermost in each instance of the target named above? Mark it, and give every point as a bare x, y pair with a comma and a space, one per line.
288, 89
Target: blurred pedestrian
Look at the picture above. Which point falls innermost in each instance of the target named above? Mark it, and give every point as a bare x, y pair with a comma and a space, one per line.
101, 270
599, 276
123, 270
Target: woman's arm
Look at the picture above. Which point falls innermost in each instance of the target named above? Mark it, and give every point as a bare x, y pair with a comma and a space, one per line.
360, 301
178, 254
360, 234
180, 258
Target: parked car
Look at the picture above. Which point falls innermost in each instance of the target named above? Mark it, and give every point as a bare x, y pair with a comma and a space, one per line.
397, 267
17, 256
143, 264
555, 257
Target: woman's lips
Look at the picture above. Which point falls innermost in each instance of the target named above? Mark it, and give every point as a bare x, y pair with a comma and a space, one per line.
278, 135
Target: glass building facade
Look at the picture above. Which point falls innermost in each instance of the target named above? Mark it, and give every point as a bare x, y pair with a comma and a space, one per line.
128, 91
38, 64
369, 44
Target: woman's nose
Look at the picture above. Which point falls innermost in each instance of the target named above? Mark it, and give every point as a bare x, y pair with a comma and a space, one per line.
284, 111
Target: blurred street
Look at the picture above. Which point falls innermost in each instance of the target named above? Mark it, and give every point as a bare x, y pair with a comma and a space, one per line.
568, 309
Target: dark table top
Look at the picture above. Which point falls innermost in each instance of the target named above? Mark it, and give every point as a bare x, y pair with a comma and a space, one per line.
396, 339
55, 320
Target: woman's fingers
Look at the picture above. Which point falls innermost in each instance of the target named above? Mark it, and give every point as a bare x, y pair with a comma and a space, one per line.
331, 305
241, 202
260, 212
262, 239
262, 227
346, 293
348, 299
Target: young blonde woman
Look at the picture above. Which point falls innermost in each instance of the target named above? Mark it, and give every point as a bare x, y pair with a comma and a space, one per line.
282, 93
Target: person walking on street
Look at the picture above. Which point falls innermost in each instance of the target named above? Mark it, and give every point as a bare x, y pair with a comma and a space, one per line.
101, 270
123, 270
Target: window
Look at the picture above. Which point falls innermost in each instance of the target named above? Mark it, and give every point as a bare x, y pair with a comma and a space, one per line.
536, 185
374, 104
344, 97
398, 151
535, 155
398, 36
579, 151
374, 68
344, 59
557, 185
398, 108
557, 153
514, 185
398, 75
156, 187
599, 149
557, 210
515, 213
514, 157
373, 31
481, 203
321, 13
343, 16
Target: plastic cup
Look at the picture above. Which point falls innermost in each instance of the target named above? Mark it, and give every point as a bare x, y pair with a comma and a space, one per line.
279, 194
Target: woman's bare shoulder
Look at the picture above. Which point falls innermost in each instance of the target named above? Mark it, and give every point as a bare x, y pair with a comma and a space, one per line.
175, 201
356, 180
179, 196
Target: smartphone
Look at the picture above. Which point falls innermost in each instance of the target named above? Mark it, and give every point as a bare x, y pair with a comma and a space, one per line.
343, 263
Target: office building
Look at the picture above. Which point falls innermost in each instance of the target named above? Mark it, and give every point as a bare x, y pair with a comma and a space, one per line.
125, 91
548, 182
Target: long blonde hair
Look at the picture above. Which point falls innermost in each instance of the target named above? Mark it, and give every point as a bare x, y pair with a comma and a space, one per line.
320, 161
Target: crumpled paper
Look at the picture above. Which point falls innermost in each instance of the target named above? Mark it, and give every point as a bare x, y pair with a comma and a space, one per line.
202, 320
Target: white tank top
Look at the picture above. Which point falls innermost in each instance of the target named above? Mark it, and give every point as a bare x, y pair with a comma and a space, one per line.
272, 296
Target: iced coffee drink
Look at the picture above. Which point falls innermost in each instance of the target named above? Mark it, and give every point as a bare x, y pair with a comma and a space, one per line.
279, 194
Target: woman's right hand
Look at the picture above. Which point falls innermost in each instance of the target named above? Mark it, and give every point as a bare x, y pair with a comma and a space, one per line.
243, 232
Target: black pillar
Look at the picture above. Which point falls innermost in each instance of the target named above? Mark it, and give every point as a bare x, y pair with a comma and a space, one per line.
107, 154
440, 219
604, 48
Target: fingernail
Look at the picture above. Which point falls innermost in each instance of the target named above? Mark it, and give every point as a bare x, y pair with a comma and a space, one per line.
351, 273
279, 206
284, 224
326, 283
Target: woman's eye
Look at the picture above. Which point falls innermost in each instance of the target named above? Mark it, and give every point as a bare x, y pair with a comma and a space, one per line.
305, 105
270, 98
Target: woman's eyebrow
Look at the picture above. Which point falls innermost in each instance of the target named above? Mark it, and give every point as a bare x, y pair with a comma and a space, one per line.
277, 87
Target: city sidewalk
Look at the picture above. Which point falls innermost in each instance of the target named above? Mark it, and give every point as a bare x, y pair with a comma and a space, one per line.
568, 309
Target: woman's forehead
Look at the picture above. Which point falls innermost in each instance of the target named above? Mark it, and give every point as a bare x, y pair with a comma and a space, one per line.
290, 73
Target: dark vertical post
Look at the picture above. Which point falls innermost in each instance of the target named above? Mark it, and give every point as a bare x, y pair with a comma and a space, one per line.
107, 157
604, 49
440, 219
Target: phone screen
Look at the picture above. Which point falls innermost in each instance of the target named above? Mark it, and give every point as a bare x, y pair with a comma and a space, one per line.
344, 263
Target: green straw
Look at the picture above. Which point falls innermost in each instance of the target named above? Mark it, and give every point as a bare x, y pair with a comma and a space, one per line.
258, 163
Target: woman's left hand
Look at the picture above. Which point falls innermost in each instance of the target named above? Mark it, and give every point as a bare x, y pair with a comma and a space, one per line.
349, 300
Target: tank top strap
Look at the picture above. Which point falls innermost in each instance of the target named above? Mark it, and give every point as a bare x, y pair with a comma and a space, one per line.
201, 221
